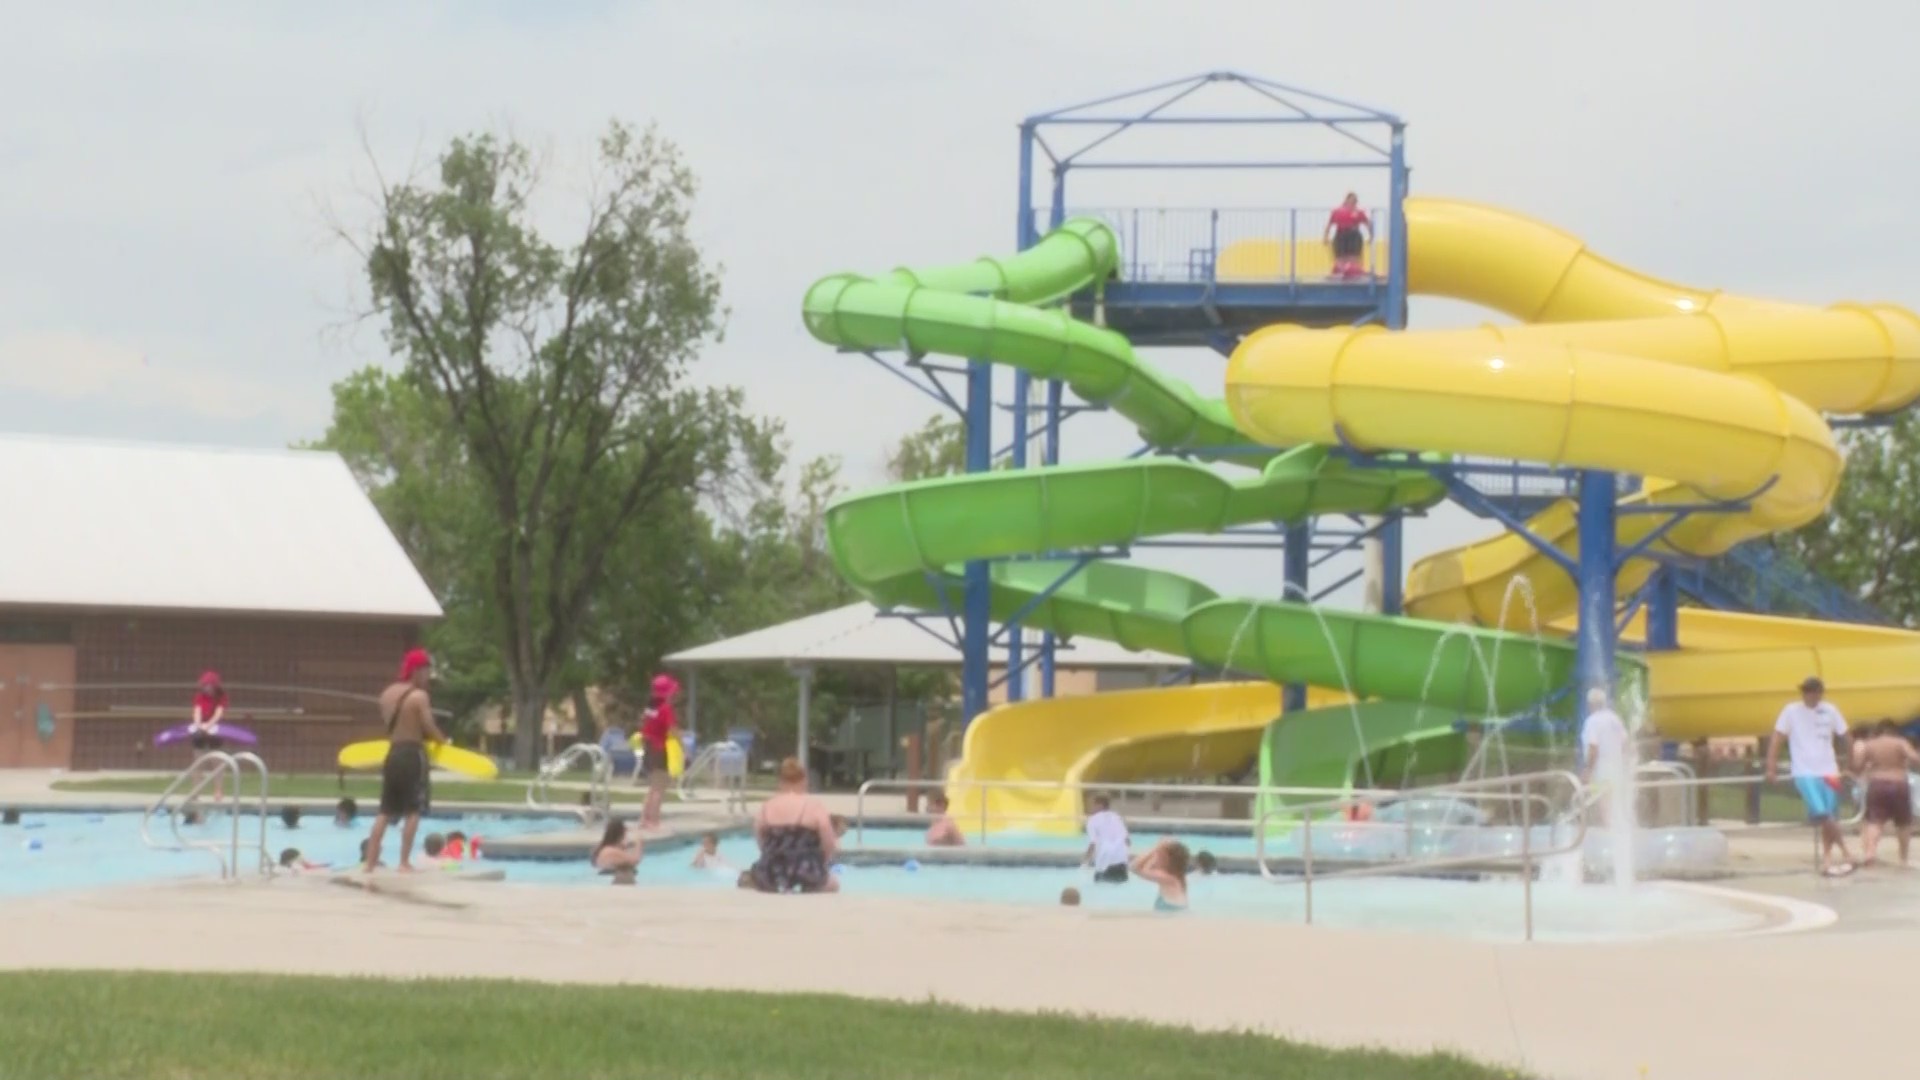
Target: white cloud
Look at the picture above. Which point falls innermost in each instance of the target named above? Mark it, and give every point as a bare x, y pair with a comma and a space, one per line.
159, 193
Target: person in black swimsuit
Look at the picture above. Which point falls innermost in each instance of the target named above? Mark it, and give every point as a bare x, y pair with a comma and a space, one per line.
797, 843
404, 789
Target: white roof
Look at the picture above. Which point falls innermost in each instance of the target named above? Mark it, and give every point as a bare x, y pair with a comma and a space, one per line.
860, 634
185, 528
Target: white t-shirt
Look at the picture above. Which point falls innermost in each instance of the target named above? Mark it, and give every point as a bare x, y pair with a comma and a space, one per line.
1810, 734
1109, 836
1604, 738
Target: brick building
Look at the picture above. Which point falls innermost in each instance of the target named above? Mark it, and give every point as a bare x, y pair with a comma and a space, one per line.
128, 569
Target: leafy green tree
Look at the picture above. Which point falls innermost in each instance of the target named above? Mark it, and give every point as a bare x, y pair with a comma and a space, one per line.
1869, 541
560, 374
939, 448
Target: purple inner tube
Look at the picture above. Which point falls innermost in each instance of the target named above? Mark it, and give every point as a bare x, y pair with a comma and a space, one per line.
225, 732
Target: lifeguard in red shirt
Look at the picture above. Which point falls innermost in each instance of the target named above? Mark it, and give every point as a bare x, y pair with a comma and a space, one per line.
657, 725
1349, 230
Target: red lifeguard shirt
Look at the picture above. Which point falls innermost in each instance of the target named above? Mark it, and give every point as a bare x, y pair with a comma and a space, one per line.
660, 720
1344, 218
206, 705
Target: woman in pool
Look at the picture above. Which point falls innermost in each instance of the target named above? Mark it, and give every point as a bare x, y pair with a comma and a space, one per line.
796, 838
617, 851
1165, 864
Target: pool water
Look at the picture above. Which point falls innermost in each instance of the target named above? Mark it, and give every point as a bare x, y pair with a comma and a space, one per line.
77, 851
1670, 851
1491, 910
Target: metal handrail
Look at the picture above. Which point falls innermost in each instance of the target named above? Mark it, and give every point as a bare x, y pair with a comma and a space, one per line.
599, 781
1751, 780
207, 769
731, 784
1332, 795
1527, 855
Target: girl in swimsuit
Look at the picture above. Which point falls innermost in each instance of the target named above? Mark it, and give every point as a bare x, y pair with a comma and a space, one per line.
617, 852
1166, 864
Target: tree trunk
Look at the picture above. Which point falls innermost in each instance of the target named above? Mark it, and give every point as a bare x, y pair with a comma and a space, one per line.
529, 712
583, 717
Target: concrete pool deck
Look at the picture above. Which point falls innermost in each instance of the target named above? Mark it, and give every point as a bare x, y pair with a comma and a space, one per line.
1782, 1006
1754, 1007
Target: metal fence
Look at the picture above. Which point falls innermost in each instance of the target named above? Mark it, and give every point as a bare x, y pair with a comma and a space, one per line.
1282, 245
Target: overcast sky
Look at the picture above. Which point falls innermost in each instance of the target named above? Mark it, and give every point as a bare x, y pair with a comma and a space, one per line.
165, 269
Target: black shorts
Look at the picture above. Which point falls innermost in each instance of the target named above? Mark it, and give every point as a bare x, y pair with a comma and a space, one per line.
404, 787
203, 741
1347, 243
1112, 875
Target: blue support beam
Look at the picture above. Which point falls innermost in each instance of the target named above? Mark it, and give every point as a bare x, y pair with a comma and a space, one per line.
1297, 564
1663, 610
1595, 577
977, 602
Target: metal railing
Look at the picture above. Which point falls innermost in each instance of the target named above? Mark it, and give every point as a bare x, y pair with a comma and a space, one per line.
1058, 786
212, 767
726, 763
1492, 788
1755, 576
1260, 245
1307, 796
599, 781
1691, 816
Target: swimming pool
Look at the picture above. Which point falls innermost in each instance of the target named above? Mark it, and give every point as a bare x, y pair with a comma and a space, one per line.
1665, 851
51, 851
1492, 909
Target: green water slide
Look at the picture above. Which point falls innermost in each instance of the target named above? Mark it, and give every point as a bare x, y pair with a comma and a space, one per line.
905, 544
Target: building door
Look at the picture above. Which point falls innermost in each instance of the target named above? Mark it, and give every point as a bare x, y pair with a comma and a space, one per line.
36, 706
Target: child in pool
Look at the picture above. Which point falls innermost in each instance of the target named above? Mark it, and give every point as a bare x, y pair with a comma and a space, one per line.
709, 857
294, 863
1166, 866
1069, 897
944, 832
365, 847
1205, 864
435, 848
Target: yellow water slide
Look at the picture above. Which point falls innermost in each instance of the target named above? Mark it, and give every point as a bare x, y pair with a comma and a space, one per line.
1716, 396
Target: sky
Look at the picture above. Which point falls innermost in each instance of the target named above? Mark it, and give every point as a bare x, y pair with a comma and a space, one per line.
169, 173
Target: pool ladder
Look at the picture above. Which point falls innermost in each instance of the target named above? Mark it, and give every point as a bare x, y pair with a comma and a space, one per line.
726, 763
599, 802
208, 769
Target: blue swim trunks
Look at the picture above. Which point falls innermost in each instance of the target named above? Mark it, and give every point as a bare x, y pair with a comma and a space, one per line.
1822, 800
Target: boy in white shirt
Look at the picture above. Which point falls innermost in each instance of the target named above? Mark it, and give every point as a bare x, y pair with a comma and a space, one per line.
1809, 727
1109, 843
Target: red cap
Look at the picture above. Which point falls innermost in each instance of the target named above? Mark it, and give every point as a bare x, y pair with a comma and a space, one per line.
414, 661
210, 678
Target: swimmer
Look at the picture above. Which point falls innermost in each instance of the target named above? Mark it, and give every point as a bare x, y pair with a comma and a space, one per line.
1166, 866
290, 816
434, 847
10, 816
457, 846
1069, 897
344, 812
1883, 760
367, 853
193, 816
617, 849
943, 832
709, 857
294, 863
1206, 864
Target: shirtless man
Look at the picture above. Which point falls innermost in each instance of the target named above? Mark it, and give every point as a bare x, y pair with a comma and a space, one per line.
403, 779
1883, 759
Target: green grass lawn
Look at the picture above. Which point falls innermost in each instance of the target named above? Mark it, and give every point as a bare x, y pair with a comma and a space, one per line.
121, 1026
